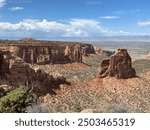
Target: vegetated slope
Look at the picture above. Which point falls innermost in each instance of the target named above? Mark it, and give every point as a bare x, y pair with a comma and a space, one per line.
85, 71
142, 65
104, 95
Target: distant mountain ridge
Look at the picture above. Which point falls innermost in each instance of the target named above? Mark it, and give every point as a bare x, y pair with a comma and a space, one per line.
143, 38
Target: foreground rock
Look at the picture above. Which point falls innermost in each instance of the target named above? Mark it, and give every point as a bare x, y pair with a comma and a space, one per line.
119, 65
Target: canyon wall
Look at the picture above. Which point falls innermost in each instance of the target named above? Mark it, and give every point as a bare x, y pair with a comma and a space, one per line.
47, 52
15, 71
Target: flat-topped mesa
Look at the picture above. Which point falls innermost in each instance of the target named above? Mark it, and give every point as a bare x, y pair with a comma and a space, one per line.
45, 52
119, 65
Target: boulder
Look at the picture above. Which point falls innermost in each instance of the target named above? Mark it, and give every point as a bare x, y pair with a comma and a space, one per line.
119, 65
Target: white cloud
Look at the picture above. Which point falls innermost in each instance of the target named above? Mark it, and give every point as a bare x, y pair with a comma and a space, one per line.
45, 28
12, 9
93, 2
109, 17
144, 23
74, 27
20, 1
131, 11
2, 3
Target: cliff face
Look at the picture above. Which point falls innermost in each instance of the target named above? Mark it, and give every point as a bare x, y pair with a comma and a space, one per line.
119, 66
102, 52
87, 49
50, 54
46, 52
14, 70
4, 64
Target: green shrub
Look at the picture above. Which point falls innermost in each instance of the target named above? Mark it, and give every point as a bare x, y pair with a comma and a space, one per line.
14, 101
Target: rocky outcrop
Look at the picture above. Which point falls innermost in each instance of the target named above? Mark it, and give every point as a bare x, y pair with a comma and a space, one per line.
50, 54
4, 64
103, 52
119, 65
17, 72
47, 52
87, 49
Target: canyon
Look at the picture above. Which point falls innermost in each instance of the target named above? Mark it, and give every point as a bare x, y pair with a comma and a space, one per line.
66, 76
47, 52
20, 60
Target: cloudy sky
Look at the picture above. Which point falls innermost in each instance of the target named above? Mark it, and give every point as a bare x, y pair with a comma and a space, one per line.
73, 18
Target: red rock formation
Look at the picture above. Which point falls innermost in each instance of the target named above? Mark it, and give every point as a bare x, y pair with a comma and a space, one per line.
47, 52
102, 52
103, 70
4, 64
87, 49
15, 70
119, 66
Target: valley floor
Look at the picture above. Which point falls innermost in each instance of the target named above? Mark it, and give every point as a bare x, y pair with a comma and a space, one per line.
102, 95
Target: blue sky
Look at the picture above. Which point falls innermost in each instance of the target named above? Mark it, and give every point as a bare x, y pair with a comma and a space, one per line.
74, 18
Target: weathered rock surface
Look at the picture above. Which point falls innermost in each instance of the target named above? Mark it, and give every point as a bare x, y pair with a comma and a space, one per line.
87, 49
4, 64
16, 71
47, 52
119, 66
103, 52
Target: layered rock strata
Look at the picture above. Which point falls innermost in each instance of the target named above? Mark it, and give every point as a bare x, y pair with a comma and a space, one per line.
119, 65
47, 52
